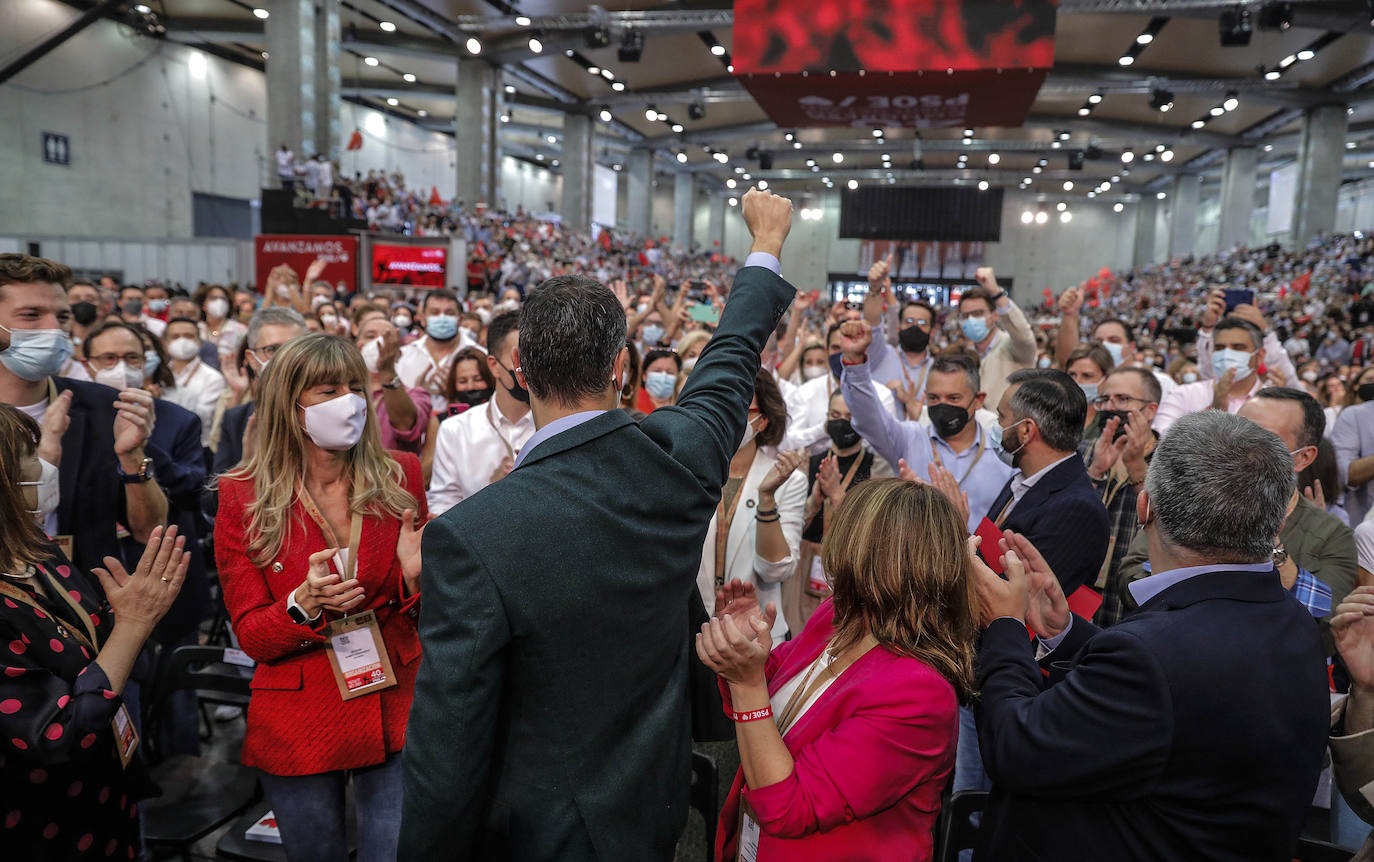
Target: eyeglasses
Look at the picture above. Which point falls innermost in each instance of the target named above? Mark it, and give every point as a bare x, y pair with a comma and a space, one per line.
916, 321
265, 351
107, 360
1123, 401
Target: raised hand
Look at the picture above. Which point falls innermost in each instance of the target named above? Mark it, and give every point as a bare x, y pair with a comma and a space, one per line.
855, 337
324, 589
880, 276
1352, 627
235, 378
1221, 389
622, 293
784, 466
944, 481
55, 423
1107, 450
315, 270
1315, 495
133, 421
408, 546
142, 599
769, 219
1216, 308
725, 646
1138, 439
390, 352
906, 394
987, 278
1070, 302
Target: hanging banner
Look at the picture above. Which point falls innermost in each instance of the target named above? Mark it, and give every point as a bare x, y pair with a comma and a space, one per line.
900, 63
300, 250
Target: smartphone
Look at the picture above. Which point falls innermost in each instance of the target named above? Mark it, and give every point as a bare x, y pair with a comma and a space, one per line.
704, 313
1238, 296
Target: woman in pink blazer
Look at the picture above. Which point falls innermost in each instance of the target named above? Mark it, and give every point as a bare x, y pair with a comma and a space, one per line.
847, 733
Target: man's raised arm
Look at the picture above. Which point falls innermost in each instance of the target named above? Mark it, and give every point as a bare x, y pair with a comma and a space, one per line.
704, 429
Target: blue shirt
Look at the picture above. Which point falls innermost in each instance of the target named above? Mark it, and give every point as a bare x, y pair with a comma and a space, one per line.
572, 420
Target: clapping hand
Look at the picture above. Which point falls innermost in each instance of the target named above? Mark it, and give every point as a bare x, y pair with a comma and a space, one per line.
142, 599
408, 548
1315, 495
943, 481
133, 421
828, 480
786, 463
736, 648
1107, 450
1221, 389
324, 589
1047, 612
55, 423
741, 601
998, 597
1352, 627
906, 394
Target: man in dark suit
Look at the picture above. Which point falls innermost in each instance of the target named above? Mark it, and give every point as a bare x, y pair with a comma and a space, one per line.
93, 434
1193, 729
268, 330
1050, 498
550, 718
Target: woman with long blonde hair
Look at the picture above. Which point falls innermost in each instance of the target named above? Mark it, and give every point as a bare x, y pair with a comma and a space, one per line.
319, 558
847, 733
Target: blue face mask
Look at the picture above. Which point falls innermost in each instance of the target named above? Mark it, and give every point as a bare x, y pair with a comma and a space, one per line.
1116, 350
35, 354
660, 384
1190, 377
652, 334
837, 364
975, 328
995, 434
1089, 391
150, 363
1225, 359
441, 327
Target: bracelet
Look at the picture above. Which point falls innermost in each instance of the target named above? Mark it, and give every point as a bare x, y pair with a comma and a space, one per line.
756, 715
770, 520
772, 511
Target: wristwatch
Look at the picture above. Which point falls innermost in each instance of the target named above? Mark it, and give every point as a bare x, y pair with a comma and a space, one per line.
139, 476
296, 612
393, 383
998, 298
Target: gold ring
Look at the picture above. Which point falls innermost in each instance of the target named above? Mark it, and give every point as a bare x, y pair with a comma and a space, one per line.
166, 580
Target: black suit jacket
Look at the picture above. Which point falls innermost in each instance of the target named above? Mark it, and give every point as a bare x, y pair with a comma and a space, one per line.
230, 450
1063, 516
92, 494
1194, 729
550, 719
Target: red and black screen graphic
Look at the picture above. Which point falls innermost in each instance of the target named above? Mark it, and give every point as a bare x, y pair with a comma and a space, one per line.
413, 265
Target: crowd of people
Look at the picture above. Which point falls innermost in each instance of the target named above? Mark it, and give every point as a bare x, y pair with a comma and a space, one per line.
502, 553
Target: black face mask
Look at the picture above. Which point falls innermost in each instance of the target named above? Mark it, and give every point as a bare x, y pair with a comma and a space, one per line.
473, 396
913, 339
132, 307
518, 392
842, 432
1105, 416
84, 313
948, 419
1365, 391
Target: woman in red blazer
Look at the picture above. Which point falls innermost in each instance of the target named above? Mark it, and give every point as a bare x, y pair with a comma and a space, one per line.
847, 733
317, 501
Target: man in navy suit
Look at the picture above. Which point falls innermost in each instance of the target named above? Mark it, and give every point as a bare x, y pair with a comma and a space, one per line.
1050, 499
1194, 729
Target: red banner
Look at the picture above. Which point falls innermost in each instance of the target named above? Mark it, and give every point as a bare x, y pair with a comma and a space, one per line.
411, 265
894, 63
298, 250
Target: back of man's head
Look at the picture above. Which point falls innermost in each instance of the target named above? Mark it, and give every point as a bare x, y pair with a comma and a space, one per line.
272, 315
1219, 486
571, 329
1054, 401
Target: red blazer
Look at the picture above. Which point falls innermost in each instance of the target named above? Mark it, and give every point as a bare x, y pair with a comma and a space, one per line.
873, 755
297, 722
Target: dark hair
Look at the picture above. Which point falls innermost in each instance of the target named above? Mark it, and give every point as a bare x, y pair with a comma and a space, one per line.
1153, 391
206, 291
1313, 418
977, 292
25, 268
771, 407
473, 353
22, 543
653, 356
437, 294
501, 325
572, 329
195, 323
1054, 401
1095, 354
834, 327
1323, 468
1256, 336
1125, 327
356, 316
633, 365
163, 375
959, 363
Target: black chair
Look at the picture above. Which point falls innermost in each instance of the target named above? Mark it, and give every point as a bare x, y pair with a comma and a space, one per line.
705, 797
955, 832
233, 844
199, 795
1313, 850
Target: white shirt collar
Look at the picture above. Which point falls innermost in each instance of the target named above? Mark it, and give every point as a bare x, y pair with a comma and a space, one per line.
1021, 483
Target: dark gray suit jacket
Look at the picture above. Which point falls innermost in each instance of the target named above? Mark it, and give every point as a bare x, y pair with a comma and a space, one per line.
550, 718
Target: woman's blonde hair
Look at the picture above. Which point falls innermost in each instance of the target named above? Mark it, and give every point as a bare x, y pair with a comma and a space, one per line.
277, 465
897, 559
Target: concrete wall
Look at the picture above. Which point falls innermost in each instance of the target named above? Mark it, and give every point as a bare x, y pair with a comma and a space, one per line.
424, 158
187, 262
528, 186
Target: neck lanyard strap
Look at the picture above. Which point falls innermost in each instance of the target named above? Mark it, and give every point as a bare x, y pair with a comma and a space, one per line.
355, 531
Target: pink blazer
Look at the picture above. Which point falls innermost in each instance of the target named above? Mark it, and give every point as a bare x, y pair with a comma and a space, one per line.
873, 755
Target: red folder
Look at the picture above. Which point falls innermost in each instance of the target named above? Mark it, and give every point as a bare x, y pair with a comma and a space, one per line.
1085, 600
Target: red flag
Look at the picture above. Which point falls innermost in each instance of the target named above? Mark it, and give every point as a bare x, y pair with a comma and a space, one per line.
434, 199
1303, 282
355, 140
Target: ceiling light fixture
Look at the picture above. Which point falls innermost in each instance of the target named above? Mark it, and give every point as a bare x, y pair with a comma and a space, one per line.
852, 184
605, 114
474, 45
993, 158
261, 14
387, 26
522, 20
408, 78
536, 46
982, 185
371, 61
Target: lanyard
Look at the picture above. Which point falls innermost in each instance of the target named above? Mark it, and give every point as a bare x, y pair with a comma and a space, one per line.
792, 712
355, 531
925, 372
491, 405
723, 521
22, 596
980, 443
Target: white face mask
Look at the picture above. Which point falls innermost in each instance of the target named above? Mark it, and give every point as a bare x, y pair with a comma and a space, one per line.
749, 432
372, 354
337, 424
120, 376
49, 491
811, 372
484, 313
183, 348
217, 307
283, 291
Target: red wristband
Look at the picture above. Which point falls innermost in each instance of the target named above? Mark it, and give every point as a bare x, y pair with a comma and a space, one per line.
756, 715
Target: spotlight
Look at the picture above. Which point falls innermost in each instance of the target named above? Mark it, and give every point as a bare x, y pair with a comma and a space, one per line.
598, 37
1126, 60
474, 45
1306, 54
1161, 196
1037, 169
551, 139
618, 86
682, 158
852, 185
1161, 99
536, 46
422, 112
1027, 217
982, 185
1233, 27
718, 50
734, 202
837, 158
393, 102
1083, 112
1127, 156
593, 70
631, 46
994, 158
1065, 217
1061, 206
1068, 185
1095, 98
730, 183
1041, 217
1197, 124
877, 133
968, 133
605, 114
763, 185
790, 137
142, 9
651, 113
720, 157
522, 20
1231, 102
1144, 39
1273, 75
677, 128
796, 145
261, 14
696, 111
387, 26
408, 78
1218, 111
371, 61
661, 117
607, 74
1118, 207
1166, 156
